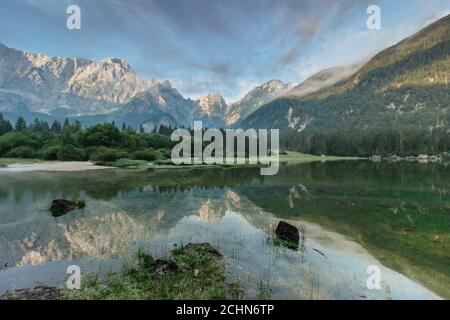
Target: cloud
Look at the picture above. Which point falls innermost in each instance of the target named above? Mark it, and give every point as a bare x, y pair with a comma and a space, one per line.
206, 45
221, 68
289, 57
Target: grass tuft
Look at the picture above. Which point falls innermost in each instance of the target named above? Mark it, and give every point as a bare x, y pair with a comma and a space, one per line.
199, 275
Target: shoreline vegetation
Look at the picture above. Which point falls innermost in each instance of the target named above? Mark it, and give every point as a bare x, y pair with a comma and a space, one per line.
195, 271
106, 144
25, 165
288, 157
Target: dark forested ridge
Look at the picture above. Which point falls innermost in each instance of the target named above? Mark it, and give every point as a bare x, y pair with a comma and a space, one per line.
398, 103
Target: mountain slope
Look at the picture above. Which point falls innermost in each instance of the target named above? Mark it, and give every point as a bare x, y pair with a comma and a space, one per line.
404, 87
84, 86
323, 79
256, 98
144, 110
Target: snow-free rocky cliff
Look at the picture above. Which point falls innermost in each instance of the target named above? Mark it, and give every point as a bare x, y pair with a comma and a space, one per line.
38, 85
52, 86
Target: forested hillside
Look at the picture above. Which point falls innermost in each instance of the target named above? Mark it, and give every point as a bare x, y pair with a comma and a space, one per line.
398, 103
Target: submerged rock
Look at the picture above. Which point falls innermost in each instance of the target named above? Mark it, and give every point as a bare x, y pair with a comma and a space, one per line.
203, 248
2, 165
61, 207
287, 232
38, 293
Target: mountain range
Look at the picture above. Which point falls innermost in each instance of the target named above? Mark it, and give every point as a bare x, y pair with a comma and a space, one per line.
52, 88
405, 85
41, 86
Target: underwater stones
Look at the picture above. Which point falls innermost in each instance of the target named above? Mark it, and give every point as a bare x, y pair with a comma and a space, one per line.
61, 207
287, 232
39, 293
203, 248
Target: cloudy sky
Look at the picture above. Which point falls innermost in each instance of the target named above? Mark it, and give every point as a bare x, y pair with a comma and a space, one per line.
225, 46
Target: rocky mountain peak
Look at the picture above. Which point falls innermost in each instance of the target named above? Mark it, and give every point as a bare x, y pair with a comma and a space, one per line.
120, 63
213, 104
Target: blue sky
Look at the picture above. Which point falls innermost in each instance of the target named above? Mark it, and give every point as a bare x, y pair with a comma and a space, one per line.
225, 46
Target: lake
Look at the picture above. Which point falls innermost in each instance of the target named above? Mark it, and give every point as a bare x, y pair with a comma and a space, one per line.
351, 215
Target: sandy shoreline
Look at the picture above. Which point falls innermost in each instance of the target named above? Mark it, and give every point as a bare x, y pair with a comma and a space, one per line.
69, 166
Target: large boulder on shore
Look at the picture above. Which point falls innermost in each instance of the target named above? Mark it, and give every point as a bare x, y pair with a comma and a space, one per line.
287, 232
61, 206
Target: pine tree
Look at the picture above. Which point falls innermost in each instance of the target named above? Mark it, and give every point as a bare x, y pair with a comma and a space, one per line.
76, 126
21, 125
5, 125
36, 126
56, 127
66, 124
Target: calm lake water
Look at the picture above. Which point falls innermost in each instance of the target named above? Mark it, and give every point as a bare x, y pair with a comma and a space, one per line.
352, 215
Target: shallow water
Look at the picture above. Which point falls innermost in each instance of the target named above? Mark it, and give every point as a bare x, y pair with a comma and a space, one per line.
352, 215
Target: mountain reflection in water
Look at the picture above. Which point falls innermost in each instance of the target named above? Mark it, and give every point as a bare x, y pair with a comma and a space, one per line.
237, 210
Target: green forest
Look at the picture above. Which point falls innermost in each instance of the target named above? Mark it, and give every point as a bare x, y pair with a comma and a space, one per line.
405, 142
71, 142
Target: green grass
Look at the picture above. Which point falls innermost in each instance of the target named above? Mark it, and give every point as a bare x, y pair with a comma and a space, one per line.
126, 164
20, 161
289, 157
297, 157
200, 276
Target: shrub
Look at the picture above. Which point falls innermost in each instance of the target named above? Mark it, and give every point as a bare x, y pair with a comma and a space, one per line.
107, 154
148, 155
101, 135
167, 162
50, 153
70, 153
21, 152
12, 140
164, 153
103, 154
158, 141
126, 163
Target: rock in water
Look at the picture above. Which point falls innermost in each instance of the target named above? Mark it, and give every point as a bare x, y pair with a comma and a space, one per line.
203, 248
38, 293
287, 232
61, 207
